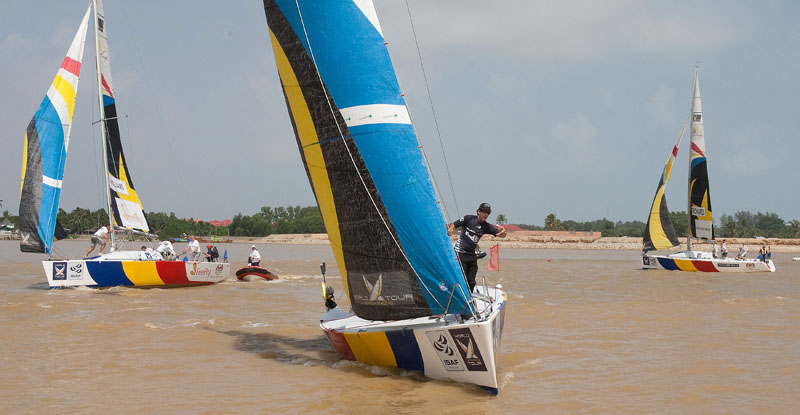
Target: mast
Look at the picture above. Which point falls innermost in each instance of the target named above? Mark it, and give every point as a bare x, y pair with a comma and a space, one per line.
103, 129
689, 184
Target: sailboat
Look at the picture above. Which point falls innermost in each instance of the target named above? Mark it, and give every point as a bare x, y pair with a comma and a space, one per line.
410, 305
659, 232
43, 162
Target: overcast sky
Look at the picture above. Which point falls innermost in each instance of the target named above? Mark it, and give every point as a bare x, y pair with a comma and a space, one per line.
565, 107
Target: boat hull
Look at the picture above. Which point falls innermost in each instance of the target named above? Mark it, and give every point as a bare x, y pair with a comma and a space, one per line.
463, 351
247, 273
133, 273
704, 262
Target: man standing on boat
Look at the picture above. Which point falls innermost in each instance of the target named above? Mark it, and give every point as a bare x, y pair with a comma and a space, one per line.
98, 237
194, 249
255, 258
473, 227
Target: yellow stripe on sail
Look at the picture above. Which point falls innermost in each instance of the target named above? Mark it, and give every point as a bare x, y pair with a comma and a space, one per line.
132, 196
67, 92
657, 234
315, 162
24, 164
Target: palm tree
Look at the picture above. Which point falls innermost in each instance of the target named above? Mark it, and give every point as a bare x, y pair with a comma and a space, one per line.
551, 223
501, 219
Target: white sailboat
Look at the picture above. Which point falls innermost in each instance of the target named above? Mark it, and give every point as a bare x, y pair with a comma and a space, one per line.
43, 161
659, 232
410, 305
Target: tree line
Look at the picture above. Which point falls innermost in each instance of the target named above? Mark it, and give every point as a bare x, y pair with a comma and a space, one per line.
308, 219
269, 220
742, 224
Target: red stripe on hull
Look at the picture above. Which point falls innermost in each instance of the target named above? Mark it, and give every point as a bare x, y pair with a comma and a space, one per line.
172, 272
340, 344
705, 266
72, 66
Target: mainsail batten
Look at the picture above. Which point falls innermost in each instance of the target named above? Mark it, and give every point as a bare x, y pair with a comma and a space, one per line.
45, 153
375, 176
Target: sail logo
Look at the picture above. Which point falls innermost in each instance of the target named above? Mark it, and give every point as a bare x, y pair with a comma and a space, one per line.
376, 296
59, 271
445, 347
698, 211
117, 185
468, 349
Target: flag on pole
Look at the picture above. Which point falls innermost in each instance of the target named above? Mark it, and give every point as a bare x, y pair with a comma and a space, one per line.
494, 258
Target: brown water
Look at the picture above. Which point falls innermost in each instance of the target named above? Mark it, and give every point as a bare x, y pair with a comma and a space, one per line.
586, 332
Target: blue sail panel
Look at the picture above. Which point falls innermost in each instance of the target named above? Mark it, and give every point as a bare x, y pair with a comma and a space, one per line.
45, 152
363, 160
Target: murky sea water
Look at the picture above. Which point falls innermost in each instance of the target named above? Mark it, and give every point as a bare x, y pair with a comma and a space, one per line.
586, 332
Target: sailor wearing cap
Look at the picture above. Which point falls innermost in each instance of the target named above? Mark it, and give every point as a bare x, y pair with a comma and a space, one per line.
473, 227
255, 258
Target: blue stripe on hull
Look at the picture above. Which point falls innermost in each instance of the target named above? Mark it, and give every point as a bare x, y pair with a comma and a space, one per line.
667, 264
406, 350
108, 273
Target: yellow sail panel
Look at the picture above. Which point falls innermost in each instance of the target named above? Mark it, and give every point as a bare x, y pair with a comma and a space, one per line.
312, 154
659, 232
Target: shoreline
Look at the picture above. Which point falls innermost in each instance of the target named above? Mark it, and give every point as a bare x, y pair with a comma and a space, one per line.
528, 241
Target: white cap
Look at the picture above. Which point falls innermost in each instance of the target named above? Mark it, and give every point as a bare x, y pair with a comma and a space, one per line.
253, 246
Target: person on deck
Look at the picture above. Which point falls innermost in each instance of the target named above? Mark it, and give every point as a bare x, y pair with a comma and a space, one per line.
98, 237
473, 227
255, 258
724, 249
194, 249
763, 253
166, 250
213, 254
742, 252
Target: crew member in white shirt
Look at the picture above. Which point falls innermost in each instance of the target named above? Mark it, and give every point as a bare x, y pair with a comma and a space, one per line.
98, 237
194, 249
255, 258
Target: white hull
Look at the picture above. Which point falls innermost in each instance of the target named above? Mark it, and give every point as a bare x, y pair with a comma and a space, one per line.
133, 268
459, 350
704, 262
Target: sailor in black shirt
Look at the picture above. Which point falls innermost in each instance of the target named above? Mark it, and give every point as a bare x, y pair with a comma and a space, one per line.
472, 228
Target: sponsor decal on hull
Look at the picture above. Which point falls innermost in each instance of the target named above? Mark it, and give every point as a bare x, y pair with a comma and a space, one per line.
59, 271
446, 350
468, 349
726, 265
75, 271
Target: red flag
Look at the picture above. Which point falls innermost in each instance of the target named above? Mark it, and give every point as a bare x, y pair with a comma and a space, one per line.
494, 258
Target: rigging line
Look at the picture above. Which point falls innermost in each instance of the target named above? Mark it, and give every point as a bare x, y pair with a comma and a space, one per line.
155, 105
433, 111
352, 159
438, 134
